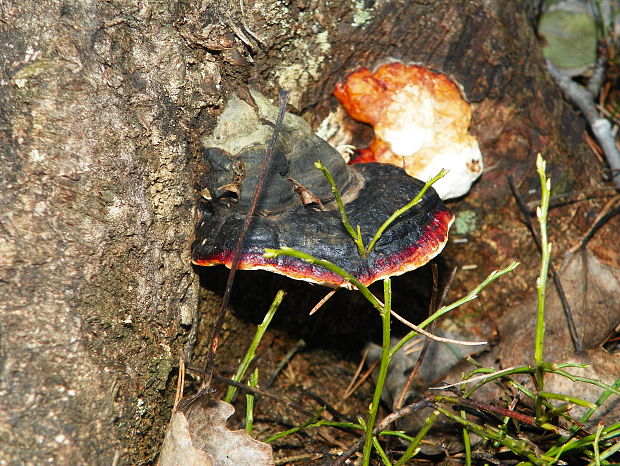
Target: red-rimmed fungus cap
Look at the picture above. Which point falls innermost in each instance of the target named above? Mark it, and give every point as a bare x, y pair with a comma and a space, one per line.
421, 123
288, 214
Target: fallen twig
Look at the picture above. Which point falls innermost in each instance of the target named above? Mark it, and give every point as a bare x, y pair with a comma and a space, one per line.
298, 346
386, 421
601, 127
217, 328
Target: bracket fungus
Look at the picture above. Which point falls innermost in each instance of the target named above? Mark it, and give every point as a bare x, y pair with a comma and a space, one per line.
298, 209
420, 121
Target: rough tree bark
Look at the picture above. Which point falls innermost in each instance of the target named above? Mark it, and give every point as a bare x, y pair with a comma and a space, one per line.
97, 291
102, 107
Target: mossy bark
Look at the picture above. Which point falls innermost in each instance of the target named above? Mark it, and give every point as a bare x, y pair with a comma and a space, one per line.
98, 295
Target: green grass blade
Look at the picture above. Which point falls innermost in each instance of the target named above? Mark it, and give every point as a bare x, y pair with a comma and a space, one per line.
249, 403
383, 370
251, 352
302, 426
412, 449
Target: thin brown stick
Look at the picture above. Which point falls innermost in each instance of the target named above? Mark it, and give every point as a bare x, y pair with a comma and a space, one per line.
444, 293
413, 345
319, 305
573, 197
280, 399
606, 213
360, 366
386, 421
258, 392
328, 406
217, 328
362, 379
287, 358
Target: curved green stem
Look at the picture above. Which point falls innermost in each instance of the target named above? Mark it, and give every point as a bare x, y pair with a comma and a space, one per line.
251, 352
383, 370
404, 209
473, 294
541, 282
272, 253
357, 236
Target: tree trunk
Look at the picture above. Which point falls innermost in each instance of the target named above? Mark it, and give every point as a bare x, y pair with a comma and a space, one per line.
97, 214
103, 104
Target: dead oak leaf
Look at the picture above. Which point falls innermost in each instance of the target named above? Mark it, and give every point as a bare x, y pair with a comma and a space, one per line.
198, 436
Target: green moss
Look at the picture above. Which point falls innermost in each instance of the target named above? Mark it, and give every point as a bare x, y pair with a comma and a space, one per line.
32, 70
465, 222
361, 14
159, 372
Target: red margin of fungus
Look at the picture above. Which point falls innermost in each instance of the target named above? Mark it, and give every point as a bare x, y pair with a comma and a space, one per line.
430, 245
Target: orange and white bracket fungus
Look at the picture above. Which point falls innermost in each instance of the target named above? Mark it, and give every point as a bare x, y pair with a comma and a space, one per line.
421, 123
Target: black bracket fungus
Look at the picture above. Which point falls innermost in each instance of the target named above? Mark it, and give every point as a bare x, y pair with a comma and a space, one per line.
370, 193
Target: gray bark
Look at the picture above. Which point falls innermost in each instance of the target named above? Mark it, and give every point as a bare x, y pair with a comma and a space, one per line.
97, 291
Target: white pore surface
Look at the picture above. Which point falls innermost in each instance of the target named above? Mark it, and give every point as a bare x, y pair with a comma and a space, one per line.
430, 136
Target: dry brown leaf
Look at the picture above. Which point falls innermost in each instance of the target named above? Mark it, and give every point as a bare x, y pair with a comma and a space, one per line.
198, 436
592, 290
178, 449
